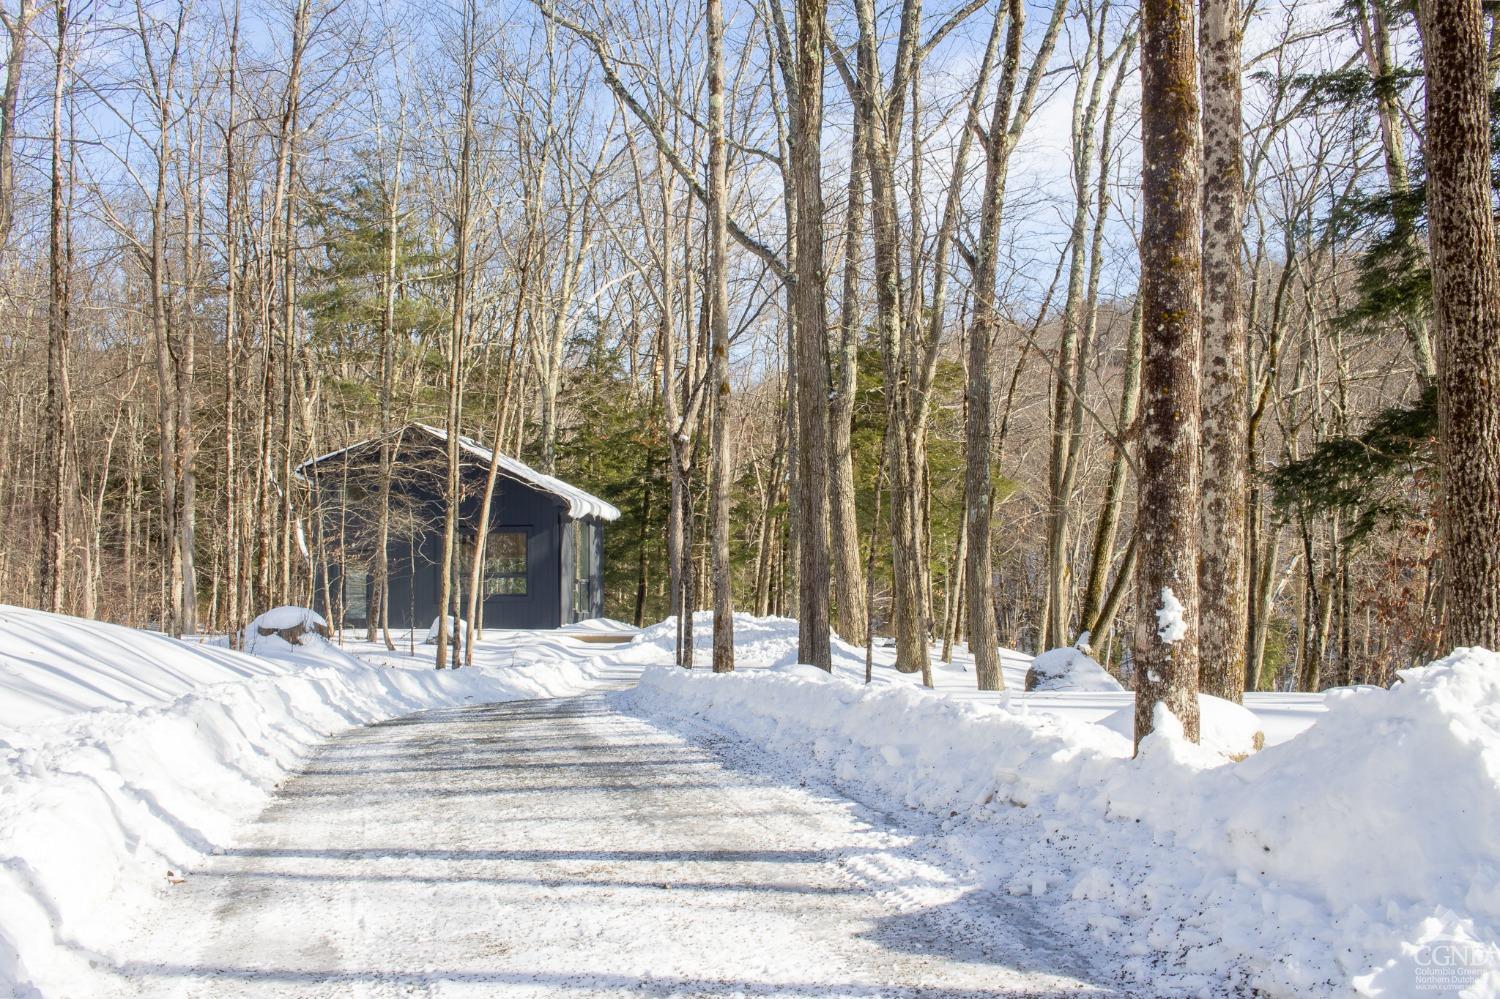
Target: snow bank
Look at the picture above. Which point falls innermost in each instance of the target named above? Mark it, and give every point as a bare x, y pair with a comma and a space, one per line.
127, 756
1223, 726
1325, 865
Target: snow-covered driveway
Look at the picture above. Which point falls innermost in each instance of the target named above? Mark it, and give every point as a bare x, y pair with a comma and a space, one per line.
562, 847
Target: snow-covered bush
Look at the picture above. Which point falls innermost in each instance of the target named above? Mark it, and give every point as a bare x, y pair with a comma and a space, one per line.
1068, 669
457, 628
281, 628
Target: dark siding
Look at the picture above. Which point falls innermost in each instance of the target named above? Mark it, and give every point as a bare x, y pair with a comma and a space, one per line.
551, 597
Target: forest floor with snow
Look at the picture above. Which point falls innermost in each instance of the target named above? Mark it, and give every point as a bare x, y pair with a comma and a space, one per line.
567, 818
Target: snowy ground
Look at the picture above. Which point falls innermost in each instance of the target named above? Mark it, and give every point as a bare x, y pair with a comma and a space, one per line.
563, 819
562, 847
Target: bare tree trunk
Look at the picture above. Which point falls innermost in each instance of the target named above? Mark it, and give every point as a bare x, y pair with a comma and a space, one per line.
979, 497
808, 300
1466, 296
378, 613
18, 27
462, 206
1223, 595
233, 603
1166, 633
718, 289
167, 383
1114, 491
881, 119
848, 575
54, 509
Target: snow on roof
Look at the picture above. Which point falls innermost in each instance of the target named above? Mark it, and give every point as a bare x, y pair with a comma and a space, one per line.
580, 503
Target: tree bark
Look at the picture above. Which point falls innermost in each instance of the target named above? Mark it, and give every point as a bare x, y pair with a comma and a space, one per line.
462, 206
18, 27
1466, 297
1223, 592
54, 509
848, 580
718, 290
979, 582
1166, 631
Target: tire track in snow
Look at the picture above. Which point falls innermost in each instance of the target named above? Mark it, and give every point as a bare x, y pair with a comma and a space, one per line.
561, 847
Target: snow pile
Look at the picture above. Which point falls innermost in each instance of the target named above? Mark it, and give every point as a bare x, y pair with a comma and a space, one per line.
126, 756
282, 627
1223, 726
1332, 862
1068, 669
457, 628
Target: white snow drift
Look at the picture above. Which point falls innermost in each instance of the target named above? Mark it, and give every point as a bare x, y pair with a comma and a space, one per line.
126, 756
1315, 867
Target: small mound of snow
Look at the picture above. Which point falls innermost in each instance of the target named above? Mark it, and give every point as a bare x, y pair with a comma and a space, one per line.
296, 634
1069, 669
457, 628
289, 617
803, 671
1223, 726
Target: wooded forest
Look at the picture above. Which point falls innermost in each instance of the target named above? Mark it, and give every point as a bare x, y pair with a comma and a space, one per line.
1168, 329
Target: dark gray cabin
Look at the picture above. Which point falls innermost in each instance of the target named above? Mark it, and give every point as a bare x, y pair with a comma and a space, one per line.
543, 554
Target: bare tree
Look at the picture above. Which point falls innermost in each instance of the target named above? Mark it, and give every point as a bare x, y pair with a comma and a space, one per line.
1166, 631
1222, 586
462, 210
54, 511
18, 27
1466, 296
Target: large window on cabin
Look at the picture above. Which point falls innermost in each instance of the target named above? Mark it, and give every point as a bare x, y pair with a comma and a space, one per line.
505, 564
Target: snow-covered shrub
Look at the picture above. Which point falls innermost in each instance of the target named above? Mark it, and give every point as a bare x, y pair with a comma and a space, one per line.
1068, 669
280, 629
457, 628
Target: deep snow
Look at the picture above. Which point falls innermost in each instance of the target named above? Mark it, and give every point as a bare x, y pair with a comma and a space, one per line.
1342, 859
1334, 862
560, 847
127, 756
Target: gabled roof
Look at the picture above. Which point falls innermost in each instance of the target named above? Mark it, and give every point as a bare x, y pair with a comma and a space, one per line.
580, 504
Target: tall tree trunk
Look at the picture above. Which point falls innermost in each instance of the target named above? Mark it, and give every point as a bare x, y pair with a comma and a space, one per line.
233, 385
462, 206
18, 27
1466, 297
811, 339
1222, 590
718, 289
54, 509
979, 497
502, 407
1166, 631
848, 575
881, 123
